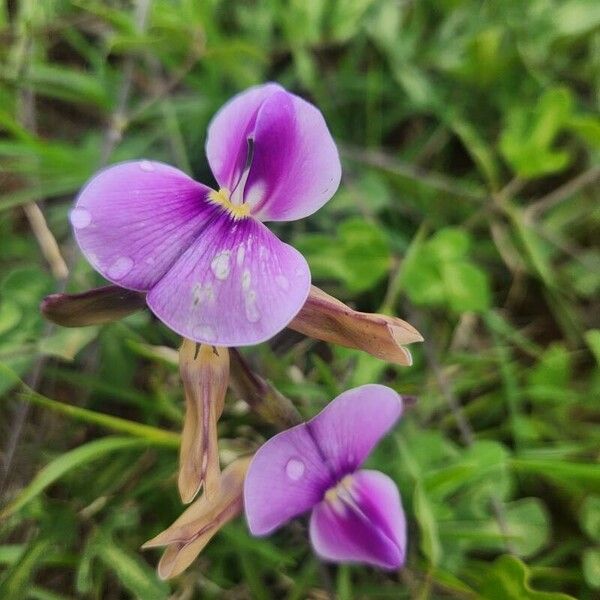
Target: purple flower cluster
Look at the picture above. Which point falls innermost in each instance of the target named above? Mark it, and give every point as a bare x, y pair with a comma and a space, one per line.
212, 272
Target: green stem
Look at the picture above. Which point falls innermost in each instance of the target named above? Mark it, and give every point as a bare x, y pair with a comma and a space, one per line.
153, 435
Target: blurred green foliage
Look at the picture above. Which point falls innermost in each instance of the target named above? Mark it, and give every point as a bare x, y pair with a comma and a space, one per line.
470, 137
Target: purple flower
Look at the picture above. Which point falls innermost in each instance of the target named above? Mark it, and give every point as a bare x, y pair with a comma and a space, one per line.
356, 515
213, 272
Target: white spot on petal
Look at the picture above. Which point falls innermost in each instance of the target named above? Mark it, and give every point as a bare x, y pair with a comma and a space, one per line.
246, 280
282, 282
204, 333
252, 312
202, 294
120, 267
294, 469
255, 194
147, 166
220, 265
80, 218
241, 252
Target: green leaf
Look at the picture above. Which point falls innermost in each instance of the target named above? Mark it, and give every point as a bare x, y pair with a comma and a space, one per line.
439, 272
549, 379
429, 541
17, 578
135, 575
67, 462
449, 244
358, 256
526, 141
528, 525
508, 579
590, 517
67, 342
592, 337
467, 287
580, 475
591, 567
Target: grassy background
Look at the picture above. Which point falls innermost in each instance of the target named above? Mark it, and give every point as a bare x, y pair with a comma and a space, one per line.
470, 138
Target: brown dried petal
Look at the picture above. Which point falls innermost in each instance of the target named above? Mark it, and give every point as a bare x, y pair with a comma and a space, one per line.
325, 318
205, 374
94, 307
190, 533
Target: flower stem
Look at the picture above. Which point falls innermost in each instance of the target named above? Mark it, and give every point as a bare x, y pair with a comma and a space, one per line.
260, 395
153, 435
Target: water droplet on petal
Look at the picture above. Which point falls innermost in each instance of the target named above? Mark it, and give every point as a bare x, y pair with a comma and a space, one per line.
294, 469
80, 218
147, 166
282, 282
220, 265
120, 267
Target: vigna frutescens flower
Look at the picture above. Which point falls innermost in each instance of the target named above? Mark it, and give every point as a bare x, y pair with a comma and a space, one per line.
357, 514
211, 270
205, 265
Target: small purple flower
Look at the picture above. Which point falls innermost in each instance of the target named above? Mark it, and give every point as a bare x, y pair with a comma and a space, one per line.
213, 272
357, 515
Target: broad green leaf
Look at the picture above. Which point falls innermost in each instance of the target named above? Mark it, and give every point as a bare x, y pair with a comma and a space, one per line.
590, 517
439, 272
528, 136
467, 287
508, 579
358, 256
591, 567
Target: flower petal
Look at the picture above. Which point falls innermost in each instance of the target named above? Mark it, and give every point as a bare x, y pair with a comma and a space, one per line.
190, 533
295, 166
236, 285
350, 426
226, 142
134, 219
292, 471
287, 477
368, 526
326, 318
94, 307
205, 376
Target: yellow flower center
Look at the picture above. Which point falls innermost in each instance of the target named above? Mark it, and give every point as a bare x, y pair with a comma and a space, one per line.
222, 197
335, 495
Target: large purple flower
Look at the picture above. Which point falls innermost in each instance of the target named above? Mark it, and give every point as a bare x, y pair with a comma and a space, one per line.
213, 272
357, 515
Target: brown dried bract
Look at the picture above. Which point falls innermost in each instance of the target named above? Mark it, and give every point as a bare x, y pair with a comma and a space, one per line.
325, 318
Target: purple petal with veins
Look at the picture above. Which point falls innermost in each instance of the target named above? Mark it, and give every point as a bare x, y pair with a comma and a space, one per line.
357, 515
361, 520
236, 283
212, 271
134, 219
